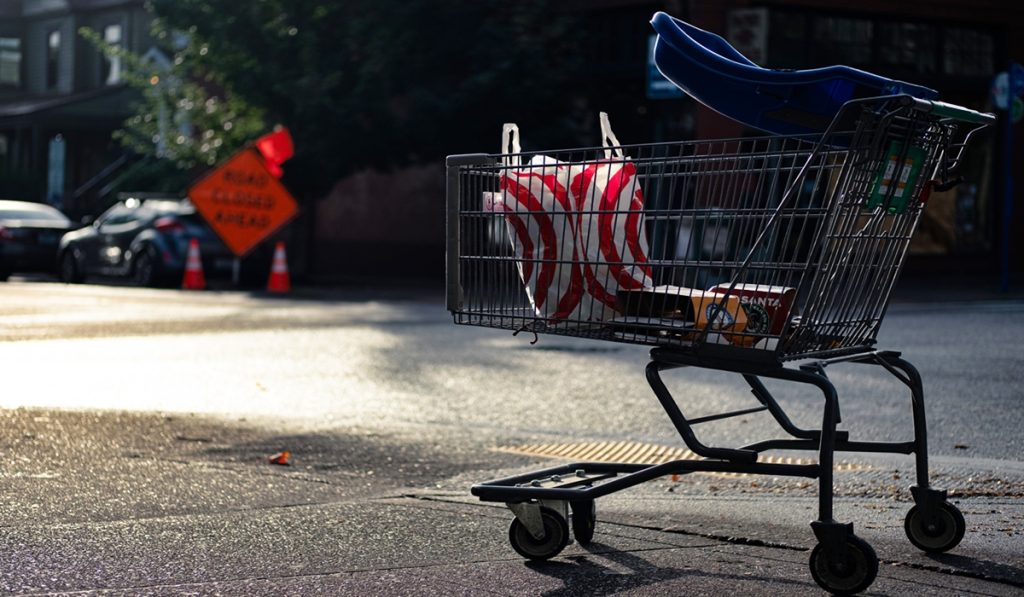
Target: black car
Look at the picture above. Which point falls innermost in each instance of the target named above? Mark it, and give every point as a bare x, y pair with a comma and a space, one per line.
145, 240
29, 233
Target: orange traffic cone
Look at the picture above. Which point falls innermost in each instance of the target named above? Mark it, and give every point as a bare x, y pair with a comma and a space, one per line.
194, 279
278, 281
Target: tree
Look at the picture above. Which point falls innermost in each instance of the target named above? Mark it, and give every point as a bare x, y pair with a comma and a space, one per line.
383, 83
187, 118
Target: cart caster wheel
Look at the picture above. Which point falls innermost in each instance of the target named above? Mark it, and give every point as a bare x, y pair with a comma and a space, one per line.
850, 575
584, 519
556, 536
938, 535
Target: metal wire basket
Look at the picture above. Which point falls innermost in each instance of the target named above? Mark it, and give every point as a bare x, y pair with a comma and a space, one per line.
760, 248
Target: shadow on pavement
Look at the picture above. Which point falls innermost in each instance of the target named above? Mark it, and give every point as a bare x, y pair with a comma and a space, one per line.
1003, 572
589, 575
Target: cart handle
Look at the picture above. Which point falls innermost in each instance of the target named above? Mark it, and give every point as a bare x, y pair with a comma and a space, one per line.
953, 111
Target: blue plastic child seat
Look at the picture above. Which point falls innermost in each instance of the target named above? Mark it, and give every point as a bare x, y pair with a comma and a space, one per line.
782, 102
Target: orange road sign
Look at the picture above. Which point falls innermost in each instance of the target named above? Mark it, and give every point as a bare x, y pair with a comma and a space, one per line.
242, 202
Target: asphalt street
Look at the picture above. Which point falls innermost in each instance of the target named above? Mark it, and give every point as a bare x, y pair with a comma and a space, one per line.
137, 426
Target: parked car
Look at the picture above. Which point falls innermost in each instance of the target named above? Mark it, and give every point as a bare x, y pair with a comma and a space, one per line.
146, 241
29, 234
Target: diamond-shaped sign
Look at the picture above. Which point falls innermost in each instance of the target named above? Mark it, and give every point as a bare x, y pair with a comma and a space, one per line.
242, 202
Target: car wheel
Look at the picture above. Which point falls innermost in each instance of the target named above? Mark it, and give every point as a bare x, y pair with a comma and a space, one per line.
4, 274
69, 270
144, 268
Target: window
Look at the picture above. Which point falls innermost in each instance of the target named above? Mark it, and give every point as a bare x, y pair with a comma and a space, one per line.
842, 41
968, 52
10, 61
908, 45
893, 48
33, 211
119, 215
111, 73
787, 39
617, 38
53, 58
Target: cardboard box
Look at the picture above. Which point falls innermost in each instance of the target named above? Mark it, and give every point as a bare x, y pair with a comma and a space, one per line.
762, 301
702, 308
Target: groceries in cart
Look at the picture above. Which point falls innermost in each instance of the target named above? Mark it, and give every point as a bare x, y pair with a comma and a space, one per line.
750, 315
687, 312
768, 308
578, 235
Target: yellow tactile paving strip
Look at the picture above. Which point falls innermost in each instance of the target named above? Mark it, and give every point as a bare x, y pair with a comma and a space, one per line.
642, 453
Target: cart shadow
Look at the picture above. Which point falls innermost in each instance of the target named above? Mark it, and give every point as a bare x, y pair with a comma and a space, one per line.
577, 349
600, 573
990, 569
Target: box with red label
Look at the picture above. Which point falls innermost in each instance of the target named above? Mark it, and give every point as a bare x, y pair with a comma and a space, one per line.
701, 308
767, 306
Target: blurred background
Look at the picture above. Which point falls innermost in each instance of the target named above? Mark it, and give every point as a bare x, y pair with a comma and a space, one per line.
103, 98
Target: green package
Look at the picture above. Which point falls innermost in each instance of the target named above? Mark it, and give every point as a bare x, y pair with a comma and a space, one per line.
897, 181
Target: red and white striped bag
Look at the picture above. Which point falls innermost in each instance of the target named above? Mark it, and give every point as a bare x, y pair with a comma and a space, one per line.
576, 229
610, 236
539, 216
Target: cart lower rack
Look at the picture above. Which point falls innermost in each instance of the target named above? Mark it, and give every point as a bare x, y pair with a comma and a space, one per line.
773, 258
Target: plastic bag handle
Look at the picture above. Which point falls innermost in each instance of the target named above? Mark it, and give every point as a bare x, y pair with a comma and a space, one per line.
510, 133
608, 136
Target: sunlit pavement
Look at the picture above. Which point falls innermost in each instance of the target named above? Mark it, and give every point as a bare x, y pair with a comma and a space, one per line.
137, 425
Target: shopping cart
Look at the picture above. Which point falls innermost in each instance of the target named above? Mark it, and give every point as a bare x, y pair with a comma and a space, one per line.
771, 257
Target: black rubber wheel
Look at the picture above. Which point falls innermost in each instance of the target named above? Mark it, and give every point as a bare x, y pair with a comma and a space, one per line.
556, 536
938, 535
852, 574
144, 268
4, 274
584, 519
68, 269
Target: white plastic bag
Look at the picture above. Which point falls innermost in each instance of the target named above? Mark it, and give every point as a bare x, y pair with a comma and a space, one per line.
577, 229
539, 214
611, 236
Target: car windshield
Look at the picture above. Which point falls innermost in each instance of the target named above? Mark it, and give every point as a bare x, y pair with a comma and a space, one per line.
17, 210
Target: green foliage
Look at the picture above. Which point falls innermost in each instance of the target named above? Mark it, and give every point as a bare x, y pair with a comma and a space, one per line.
383, 83
187, 117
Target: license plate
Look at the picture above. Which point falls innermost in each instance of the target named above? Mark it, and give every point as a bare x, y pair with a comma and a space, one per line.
48, 238
223, 263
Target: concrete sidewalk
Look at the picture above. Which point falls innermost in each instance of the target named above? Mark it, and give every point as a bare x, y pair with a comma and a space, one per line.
128, 504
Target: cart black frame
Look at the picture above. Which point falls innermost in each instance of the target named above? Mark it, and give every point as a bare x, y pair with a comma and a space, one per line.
838, 324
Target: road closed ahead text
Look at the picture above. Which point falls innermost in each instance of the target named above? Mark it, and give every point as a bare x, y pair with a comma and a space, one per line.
242, 202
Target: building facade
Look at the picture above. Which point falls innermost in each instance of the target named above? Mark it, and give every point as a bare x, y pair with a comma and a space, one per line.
956, 47
60, 97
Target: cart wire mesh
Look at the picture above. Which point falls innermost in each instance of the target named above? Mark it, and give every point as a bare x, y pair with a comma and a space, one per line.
766, 248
